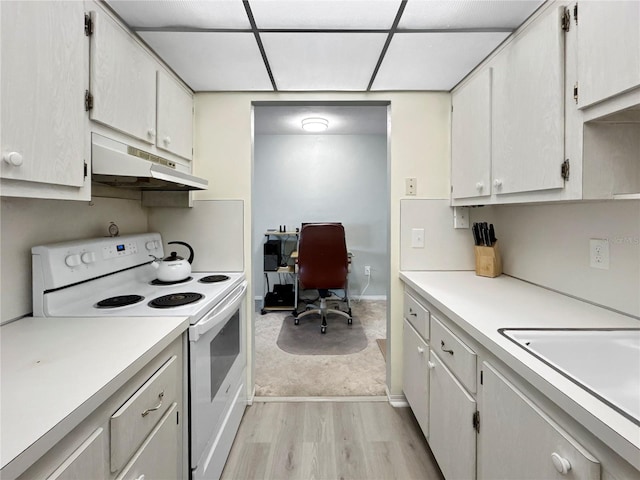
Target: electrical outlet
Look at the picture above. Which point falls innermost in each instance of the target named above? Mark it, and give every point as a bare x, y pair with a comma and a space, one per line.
367, 270
599, 253
411, 185
460, 217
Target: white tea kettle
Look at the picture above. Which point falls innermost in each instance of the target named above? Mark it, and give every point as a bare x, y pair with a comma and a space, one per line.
173, 268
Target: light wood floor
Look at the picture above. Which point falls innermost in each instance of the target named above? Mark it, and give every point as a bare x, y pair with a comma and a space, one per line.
329, 440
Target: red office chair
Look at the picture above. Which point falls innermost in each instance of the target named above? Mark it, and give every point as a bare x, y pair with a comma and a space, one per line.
323, 265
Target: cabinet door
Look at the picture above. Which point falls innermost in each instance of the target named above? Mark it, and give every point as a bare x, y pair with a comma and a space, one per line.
608, 35
452, 437
415, 376
471, 138
44, 78
123, 81
88, 461
175, 117
523, 449
528, 109
158, 456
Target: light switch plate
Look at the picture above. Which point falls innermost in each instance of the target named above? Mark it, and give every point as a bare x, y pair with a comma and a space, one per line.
417, 238
460, 217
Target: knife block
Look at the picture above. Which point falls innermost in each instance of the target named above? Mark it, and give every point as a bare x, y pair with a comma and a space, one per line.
488, 261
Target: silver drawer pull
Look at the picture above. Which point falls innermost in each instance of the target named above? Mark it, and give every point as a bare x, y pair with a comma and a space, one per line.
444, 349
149, 410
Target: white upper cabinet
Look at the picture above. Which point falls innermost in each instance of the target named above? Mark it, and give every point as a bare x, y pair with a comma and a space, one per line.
471, 138
175, 117
608, 37
44, 77
123, 81
528, 109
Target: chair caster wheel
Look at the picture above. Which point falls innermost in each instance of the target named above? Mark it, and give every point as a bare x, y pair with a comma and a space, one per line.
296, 321
349, 321
323, 329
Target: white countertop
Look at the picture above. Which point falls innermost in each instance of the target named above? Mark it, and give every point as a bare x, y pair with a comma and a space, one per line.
481, 306
56, 371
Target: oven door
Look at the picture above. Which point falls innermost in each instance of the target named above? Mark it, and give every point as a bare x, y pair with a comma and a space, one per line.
216, 359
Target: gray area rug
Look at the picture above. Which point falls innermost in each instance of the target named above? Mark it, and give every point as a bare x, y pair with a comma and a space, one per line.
306, 339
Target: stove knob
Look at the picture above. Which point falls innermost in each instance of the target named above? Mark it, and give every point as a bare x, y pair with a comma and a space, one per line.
72, 260
157, 243
150, 245
88, 257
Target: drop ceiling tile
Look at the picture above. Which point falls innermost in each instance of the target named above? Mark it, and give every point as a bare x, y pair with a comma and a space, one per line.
323, 61
452, 14
325, 14
182, 13
209, 61
433, 61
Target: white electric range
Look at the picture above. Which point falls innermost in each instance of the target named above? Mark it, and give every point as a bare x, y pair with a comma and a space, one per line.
114, 276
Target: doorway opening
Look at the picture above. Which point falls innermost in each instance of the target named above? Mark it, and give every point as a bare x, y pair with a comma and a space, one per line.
337, 175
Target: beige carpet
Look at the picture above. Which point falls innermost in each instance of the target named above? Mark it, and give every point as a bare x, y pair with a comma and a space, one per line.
281, 374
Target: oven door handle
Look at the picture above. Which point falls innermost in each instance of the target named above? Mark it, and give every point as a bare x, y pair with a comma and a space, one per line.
226, 306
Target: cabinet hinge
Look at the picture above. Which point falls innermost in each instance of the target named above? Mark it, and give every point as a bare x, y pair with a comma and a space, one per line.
86, 170
565, 169
476, 421
575, 13
565, 22
178, 417
88, 101
481, 377
575, 92
88, 25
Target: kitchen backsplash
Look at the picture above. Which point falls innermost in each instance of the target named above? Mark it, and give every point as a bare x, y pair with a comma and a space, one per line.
26, 222
543, 244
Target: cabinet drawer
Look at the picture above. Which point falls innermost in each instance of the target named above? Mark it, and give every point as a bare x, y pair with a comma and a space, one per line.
88, 461
454, 353
140, 414
417, 315
158, 456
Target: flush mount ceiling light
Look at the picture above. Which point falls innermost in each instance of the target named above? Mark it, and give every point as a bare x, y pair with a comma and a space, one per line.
315, 124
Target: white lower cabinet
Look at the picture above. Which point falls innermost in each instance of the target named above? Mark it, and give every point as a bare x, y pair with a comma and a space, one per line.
415, 377
157, 458
518, 440
86, 462
452, 437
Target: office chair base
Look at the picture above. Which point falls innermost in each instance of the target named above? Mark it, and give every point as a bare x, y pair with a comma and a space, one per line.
323, 311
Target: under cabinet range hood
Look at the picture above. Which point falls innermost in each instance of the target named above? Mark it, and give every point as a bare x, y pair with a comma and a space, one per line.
119, 165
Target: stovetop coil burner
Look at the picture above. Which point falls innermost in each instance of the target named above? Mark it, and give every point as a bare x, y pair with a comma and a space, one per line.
119, 301
214, 279
175, 282
175, 300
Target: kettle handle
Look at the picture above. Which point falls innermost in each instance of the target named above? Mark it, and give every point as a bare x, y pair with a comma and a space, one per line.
186, 245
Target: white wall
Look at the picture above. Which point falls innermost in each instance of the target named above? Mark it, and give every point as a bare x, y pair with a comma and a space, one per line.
419, 147
549, 245
331, 178
25, 223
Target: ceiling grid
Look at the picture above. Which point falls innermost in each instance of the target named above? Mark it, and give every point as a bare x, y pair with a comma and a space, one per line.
323, 45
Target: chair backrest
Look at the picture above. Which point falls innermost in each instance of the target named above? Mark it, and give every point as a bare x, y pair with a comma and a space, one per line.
322, 256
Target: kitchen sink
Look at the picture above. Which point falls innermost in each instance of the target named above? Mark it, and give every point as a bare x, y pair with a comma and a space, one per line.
605, 362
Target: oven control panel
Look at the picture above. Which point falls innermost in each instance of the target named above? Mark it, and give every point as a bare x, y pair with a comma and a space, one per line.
62, 264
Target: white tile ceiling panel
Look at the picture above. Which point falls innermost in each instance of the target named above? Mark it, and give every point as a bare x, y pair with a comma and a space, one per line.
287, 120
323, 61
182, 13
466, 14
433, 61
212, 61
325, 14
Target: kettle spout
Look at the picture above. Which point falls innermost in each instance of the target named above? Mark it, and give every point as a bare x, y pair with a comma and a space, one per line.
155, 263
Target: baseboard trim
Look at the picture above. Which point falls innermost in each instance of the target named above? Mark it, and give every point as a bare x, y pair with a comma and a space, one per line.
397, 401
370, 297
372, 398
